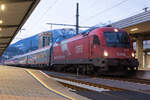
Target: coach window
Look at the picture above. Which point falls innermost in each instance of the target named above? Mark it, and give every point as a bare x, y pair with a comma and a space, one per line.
96, 40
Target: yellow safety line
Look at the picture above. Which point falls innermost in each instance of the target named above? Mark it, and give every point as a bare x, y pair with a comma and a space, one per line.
46, 86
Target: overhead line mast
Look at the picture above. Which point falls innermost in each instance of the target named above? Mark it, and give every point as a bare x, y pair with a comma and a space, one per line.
77, 19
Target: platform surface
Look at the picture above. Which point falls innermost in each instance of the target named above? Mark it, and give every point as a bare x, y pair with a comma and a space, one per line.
143, 73
144, 69
27, 84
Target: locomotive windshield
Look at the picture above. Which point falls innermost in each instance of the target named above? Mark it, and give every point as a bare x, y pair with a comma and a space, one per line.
117, 39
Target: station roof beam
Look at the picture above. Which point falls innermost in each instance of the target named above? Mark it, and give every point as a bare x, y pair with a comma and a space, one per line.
137, 25
13, 15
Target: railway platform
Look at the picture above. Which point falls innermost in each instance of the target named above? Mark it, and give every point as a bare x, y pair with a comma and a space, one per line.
27, 84
143, 73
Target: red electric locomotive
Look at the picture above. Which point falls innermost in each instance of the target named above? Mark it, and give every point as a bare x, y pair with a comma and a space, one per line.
101, 50
105, 50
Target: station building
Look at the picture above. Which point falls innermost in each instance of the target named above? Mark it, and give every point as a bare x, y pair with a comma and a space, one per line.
44, 39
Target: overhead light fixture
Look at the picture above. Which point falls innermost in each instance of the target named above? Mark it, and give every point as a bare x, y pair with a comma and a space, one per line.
134, 29
2, 7
1, 21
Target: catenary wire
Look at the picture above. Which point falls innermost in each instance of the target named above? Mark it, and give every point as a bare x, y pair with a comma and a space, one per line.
105, 10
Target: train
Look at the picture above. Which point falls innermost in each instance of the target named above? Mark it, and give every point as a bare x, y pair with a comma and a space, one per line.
100, 50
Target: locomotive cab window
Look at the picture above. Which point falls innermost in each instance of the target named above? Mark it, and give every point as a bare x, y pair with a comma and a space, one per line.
96, 40
117, 39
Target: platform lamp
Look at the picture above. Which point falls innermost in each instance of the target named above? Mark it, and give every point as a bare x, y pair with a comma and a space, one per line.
2, 8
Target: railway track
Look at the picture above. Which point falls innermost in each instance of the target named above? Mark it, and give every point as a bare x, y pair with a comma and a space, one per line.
118, 78
107, 82
101, 92
128, 79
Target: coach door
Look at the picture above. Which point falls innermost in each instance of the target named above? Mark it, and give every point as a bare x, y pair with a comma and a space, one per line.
94, 47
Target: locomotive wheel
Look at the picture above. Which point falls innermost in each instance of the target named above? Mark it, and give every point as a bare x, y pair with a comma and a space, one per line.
70, 68
98, 71
84, 70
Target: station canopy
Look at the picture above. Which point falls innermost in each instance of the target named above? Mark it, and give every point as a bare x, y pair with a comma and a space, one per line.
13, 15
137, 25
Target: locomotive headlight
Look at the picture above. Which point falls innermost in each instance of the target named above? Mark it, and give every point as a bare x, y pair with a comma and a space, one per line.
115, 30
105, 53
133, 55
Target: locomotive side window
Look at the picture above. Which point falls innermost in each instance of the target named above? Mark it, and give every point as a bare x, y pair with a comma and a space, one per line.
96, 40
